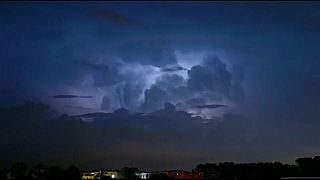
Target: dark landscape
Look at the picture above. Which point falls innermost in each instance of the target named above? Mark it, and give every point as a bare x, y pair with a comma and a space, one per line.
304, 168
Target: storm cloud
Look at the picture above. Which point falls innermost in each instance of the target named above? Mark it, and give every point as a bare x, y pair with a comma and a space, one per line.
154, 98
247, 56
209, 81
211, 76
31, 133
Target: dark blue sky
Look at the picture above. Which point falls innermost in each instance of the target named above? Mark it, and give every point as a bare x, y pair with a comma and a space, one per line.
260, 60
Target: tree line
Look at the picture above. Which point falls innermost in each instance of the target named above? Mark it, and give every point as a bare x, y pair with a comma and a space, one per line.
303, 167
21, 171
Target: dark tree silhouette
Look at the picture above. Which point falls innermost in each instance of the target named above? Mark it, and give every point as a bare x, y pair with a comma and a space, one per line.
18, 170
38, 172
229, 170
210, 171
309, 166
129, 172
3, 173
305, 166
55, 172
316, 165
73, 172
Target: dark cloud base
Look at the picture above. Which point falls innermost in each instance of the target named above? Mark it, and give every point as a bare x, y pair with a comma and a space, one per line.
163, 139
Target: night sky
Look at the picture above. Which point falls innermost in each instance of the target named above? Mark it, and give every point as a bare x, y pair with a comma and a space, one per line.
158, 85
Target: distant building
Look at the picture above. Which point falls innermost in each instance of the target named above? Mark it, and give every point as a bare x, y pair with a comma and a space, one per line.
90, 175
113, 174
116, 174
143, 175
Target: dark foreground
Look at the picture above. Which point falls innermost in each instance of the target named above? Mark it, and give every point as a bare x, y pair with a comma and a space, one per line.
304, 168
